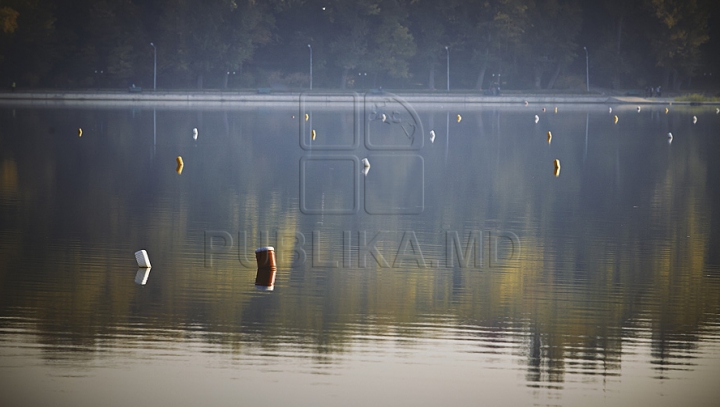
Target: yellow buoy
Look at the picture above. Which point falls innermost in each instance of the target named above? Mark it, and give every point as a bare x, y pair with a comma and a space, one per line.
557, 167
616, 119
79, 132
314, 134
549, 138
459, 118
307, 117
180, 165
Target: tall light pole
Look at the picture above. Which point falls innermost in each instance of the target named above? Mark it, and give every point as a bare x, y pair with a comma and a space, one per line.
310, 66
154, 66
587, 69
448, 67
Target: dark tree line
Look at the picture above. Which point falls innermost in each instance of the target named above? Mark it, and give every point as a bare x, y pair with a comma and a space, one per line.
529, 44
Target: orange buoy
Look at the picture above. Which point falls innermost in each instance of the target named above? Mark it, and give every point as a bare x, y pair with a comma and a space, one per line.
267, 268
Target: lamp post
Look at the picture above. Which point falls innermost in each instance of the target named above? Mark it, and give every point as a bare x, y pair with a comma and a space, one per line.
310, 66
448, 67
587, 69
154, 66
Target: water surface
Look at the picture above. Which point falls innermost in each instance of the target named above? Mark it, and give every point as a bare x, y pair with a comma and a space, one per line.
461, 270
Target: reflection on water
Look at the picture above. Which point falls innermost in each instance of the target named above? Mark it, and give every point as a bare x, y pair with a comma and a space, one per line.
461, 270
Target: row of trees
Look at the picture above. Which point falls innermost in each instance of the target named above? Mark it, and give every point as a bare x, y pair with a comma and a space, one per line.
365, 43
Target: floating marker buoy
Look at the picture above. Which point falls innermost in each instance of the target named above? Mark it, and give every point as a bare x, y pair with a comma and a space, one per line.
616, 119
142, 259
557, 167
195, 133
537, 119
432, 136
142, 275
180, 165
609, 109
638, 109
307, 117
667, 110
293, 116
549, 137
694, 119
555, 109
79, 132
459, 118
314, 134
267, 268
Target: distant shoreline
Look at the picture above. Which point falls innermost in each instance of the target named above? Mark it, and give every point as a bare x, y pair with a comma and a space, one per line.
320, 96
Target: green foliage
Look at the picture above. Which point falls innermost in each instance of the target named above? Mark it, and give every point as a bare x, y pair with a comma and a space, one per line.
531, 43
8, 19
682, 29
697, 97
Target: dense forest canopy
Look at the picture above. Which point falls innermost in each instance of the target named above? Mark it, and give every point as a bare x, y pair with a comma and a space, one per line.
408, 44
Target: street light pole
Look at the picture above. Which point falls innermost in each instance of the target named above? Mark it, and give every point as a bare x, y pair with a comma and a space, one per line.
310, 66
448, 67
587, 69
154, 66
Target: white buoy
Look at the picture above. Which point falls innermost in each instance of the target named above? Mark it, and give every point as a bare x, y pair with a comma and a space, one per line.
694, 119
717, 110
432, 136
142, 259
537, 119
670, 138
610, 110
195, 133
142, 275
638, 109
384, 118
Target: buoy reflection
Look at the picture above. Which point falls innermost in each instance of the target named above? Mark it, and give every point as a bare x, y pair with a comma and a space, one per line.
142, 275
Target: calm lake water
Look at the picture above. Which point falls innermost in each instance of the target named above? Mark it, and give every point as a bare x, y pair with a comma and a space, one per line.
466, 270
